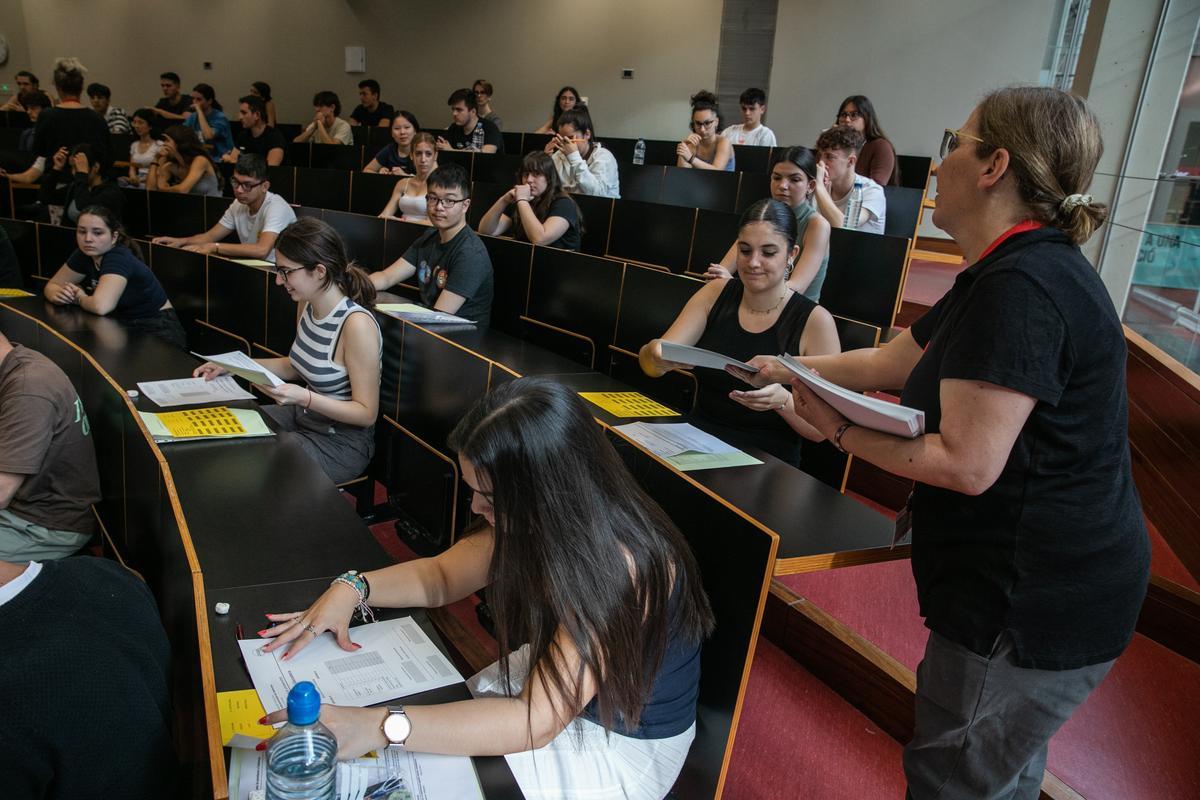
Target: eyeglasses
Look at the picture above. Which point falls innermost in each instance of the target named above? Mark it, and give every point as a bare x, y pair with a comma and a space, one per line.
285, 272
246, 186
848, 115
950, 141
433, 201
704, 123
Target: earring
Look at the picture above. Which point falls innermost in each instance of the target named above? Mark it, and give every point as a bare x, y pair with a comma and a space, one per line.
787, 271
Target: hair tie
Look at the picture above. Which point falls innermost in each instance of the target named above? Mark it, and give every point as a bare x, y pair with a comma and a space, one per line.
1072, 201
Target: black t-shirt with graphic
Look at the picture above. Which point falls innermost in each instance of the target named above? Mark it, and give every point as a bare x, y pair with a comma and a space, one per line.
461, 265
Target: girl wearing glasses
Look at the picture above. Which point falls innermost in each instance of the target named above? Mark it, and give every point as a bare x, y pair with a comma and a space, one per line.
566, 99
408, 197
877, 159
537, 209
336, 355
599, 607
1029, 549
703, 148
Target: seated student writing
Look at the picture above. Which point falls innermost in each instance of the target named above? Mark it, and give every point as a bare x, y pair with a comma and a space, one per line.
794, 183
537, 209
703, 148
583, 165
452, 267
599, 607
256, 136
396, 157
336, 353
751, 131
838, 148
327, 126
256, 213
106, 275
566, 99
182, 165
758, 313
75, 182
408, 197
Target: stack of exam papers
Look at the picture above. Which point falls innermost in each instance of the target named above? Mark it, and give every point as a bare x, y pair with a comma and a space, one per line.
869, 412
238, 363
699, 357
217, 422
685, 446
419, 314
189, 391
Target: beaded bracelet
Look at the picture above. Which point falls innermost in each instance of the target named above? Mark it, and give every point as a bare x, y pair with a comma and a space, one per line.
358, 582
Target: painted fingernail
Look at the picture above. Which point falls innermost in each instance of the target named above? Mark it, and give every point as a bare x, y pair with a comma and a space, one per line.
260, 746
357, 646
262, 720
262, 632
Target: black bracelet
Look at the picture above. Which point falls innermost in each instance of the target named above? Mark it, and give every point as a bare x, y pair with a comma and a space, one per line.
841, 431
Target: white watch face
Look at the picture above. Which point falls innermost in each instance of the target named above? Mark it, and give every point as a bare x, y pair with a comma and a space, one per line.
397, 727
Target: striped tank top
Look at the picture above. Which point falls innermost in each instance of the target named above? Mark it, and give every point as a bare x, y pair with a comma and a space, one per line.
316, 342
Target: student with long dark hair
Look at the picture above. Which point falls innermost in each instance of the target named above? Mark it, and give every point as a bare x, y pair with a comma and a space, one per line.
537, 209
142, 150
794, 183
583, 165
758, 313
877, 159
598, 602
395, 158
703, 148
208, 120
336, 353
566, 99
106, 275
183, 165
262, 90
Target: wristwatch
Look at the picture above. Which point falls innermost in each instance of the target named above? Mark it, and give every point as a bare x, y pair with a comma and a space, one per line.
396, 726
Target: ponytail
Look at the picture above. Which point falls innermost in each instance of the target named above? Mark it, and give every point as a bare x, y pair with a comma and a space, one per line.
356, 285
309, 241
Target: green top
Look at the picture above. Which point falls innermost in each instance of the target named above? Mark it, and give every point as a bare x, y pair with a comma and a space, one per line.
805, 212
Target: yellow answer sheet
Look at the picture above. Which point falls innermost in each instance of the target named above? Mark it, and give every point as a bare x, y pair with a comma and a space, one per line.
216, 421
628, 404
240, 712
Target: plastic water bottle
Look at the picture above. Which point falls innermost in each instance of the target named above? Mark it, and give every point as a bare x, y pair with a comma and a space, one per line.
639, 152
854, 206
302, 756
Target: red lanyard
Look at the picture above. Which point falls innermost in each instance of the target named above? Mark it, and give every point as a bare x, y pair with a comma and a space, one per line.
1020, 227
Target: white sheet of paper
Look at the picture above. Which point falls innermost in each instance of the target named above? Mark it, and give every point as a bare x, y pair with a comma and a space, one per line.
247, 773
699, 357
419, 314
673, 438
396, 659
186, 391
243, 366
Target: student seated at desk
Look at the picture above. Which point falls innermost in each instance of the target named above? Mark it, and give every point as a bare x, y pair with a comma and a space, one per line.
408, 197
327, 126
76, 181
794, 183
336, 353
85, 683
537, 209
453, 269
183, 165
757, 312
208, 120
257, 214
703, 148
566, 99
106, 275
839, 149
583, 165
48, 478
262, 90
395, 158
467, 131
256, 136
598, 598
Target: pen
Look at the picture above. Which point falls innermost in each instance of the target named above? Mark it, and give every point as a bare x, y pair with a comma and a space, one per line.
238, 632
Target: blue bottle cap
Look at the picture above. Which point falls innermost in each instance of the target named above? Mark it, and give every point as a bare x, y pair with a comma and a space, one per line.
304, 704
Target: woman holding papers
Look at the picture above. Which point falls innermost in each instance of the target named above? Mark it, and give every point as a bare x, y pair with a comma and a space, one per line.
581, 566
1028, 546
106, 276
336, 353
741, 318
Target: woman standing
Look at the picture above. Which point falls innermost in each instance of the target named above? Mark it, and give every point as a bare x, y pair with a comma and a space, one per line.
408, 197
703, 148
182, 165
741, 318
536, 209
1029, 551
396, 157
106, 275
877, 159
566, 99
598, 602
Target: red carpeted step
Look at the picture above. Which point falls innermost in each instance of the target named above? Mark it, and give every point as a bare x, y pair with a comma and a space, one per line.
798, 739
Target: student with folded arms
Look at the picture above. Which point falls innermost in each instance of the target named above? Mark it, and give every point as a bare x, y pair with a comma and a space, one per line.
537, 209
599, 607
327, 126
758, 313
336, 354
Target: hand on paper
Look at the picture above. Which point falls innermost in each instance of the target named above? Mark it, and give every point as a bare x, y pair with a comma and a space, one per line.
331, 612
815, 411
208, 371
769, 398
660, 362
358, 730
769, 371
288, 394
716, 271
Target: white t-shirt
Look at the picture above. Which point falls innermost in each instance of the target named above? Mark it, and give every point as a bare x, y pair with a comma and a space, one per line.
762, 136
273, 216
874, 205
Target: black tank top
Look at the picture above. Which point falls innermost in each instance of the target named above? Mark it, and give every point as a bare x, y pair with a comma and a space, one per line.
724, 334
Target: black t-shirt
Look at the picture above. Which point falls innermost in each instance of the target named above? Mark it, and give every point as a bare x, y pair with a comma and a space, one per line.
261, 145
372, 118
461, 265
67, 127
143, 295
484, 132
560, 207
390, 158
1055, 551
182, 106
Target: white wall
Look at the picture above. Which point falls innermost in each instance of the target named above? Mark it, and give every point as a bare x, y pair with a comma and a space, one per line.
420, 52
12, 26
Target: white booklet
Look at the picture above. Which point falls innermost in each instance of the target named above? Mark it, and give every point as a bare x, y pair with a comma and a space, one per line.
869, 412
185, 391
699, 357
396, 659
685, 446
420, 314
238, 363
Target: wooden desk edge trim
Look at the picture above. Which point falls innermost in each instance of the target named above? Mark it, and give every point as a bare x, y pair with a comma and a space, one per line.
846, 558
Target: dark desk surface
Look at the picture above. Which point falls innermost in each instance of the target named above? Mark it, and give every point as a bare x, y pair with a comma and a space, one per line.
818, 526
249, 604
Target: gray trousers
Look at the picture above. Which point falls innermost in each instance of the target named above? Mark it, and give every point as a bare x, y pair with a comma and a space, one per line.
342, 450
983, 723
